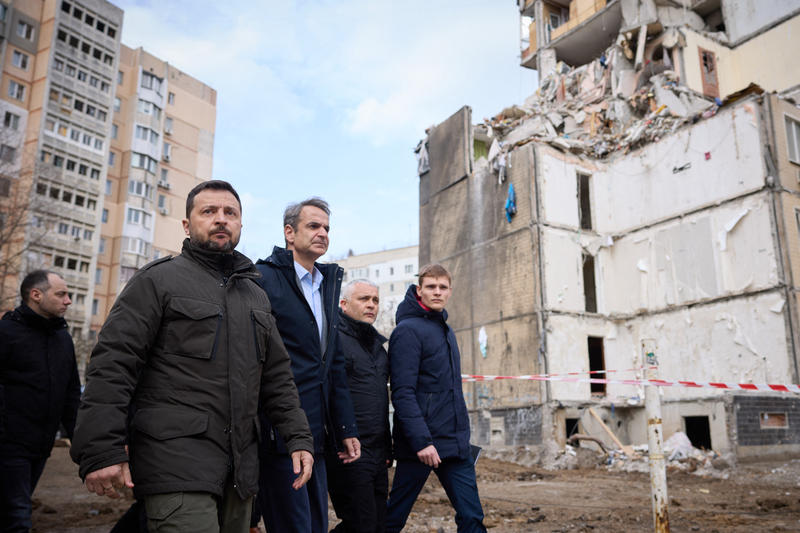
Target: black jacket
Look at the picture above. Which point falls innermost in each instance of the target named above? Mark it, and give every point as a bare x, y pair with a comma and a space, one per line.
320, 378
39, 385
367, 366
190, 345
425, 365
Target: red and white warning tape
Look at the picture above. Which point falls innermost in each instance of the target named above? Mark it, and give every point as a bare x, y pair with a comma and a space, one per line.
638, 382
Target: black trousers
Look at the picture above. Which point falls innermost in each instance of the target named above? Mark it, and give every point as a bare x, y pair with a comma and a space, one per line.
358, 492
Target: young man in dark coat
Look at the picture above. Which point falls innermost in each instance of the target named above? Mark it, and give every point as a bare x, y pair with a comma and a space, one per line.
431, 424
358, 490
305, 297
39, 389
187, 358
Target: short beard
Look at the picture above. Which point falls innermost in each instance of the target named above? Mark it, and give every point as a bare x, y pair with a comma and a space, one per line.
212, 246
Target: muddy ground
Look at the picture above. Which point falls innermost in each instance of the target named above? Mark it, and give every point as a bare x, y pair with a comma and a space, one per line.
761, 496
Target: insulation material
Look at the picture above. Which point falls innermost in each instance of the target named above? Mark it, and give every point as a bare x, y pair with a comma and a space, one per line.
558, 182
642, 188
562, 271
681, 261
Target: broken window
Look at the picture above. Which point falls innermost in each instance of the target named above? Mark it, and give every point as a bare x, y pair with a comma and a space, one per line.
570, 426
589, 287
584, 202
793, 139
708, 68
773, 421
698, 431
596, 364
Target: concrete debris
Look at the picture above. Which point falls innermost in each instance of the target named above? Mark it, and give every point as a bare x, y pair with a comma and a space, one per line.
604, 107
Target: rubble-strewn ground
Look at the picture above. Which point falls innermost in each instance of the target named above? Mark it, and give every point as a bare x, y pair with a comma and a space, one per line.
761, 496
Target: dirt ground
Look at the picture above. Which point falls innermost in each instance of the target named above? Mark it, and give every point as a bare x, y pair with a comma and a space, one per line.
762, 496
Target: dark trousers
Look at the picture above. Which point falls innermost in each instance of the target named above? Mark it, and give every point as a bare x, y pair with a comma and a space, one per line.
358, 492
458, 479
286, 510
18, 478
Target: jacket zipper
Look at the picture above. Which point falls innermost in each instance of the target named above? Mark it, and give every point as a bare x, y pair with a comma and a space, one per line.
255, 336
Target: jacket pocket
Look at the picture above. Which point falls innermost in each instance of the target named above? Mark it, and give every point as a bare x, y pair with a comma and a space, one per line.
163, 423
261, 330
193, 328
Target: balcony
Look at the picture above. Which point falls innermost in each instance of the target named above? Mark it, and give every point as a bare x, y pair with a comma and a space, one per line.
591, 27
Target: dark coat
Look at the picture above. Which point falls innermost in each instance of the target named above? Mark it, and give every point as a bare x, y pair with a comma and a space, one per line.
39, 384
320, 378
367, 366
425, 368
191, 346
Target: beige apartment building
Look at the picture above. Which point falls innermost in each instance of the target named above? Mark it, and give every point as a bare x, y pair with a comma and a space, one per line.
162, 140
59, 63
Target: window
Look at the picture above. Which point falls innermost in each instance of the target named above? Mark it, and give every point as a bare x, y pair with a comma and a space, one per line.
408, 269
793, 139
596, 363
391, 271
82, 75
589, 287
82, 169
120, 75
19, 60
168, 125
63, 229
101, 115
105, 216
3, 11
584, 202
58, 65
162, 201
94, 81
65, 7
167, 151
95, 305
98, 144
84, 266
102, 247
74, 42
77, 13
98, 275
101, 26
149, 81
58, 161
58, 261
95, 174
25, 30
76, 232
148, 108
117, 104
70, 70
104, 86
773, 420
88, 234
78, 105
7, 153
171, 98
70, 165
111, 32
11, 121
5, 187
108, 187
143, 161
139, 188
89, 19
111, 157
61, 35
41, 189
86, 48
79, 200
16, 90
114, 131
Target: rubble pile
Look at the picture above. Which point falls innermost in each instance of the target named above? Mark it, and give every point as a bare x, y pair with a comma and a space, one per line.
678, 451
601, 108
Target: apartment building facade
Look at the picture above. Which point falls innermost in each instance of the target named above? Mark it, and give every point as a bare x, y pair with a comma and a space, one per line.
392, 271
687, 241
59, 62
162, 141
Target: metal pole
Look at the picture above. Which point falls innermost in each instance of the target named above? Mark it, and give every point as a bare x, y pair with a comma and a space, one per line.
658, 468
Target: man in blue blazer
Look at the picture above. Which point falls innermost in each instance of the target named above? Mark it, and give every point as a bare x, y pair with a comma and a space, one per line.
431, 423
305, 295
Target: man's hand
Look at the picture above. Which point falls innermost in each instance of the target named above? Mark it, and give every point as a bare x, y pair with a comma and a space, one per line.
429, 456
303, 462
352, 450
106, 481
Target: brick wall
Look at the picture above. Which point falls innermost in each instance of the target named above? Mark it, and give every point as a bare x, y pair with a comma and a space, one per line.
748, 409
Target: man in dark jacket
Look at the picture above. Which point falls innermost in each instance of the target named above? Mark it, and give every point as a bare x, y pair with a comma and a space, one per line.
358, 490
431, 424
39, 389
304, 296
183, 359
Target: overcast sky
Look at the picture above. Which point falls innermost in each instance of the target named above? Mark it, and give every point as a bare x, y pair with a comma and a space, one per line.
330, 97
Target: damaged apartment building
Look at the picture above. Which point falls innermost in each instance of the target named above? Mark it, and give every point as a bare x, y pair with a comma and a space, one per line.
648, 191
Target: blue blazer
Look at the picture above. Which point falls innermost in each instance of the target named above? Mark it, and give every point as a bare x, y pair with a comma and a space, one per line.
321, 379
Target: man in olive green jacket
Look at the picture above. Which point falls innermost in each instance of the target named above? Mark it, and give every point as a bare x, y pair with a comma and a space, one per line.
174, 383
